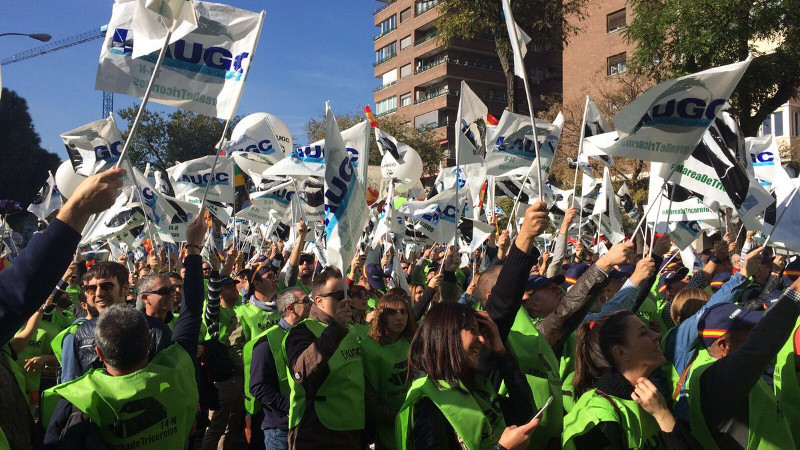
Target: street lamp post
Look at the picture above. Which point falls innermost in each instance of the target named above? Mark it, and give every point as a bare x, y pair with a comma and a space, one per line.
44, 37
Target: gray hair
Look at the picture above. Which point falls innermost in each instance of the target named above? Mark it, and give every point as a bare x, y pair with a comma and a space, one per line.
286, 298
145, 283
123, 336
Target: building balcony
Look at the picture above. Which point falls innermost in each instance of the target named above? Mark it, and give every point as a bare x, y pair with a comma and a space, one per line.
385, 113
377, 63
432, 95
433, 126
383, 34
426, 38
388, 4
384, 86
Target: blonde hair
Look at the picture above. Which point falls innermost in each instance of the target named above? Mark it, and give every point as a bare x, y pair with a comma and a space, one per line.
687, 302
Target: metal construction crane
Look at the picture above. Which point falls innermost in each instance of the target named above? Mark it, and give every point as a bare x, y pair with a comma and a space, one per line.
97, 33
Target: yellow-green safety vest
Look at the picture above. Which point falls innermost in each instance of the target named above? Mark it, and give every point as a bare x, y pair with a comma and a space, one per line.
274, 337
385, 370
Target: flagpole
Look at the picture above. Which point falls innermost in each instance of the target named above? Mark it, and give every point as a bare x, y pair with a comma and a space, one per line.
650, 206
786, 208
580, 150
145, 99
655, 223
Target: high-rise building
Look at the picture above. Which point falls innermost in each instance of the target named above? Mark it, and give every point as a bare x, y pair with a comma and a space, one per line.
419, 79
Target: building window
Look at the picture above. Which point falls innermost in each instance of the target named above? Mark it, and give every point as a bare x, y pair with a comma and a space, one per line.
405, 99
406, 71
616, 64
386, 106
778, 117
405, 15
405, 42
797, 124
766, 127
388, 25
425, 5
387, 52
615, 21
427, 120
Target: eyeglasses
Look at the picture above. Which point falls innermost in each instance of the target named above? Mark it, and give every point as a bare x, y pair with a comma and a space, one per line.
206, 269
338, 295
271, 276
92, 288
309, 261
166, 290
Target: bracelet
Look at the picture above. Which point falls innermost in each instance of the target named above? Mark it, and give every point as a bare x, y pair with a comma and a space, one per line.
194, 246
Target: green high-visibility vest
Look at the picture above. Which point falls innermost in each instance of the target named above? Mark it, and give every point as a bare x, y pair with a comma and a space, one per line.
361, 330
787, 383
385, 370
152, 408
306, 288
640, 428
227, 322
255, 320
274, 336
540, 366
5, 353
475, 416
38, 344
339, 401
57, 341
568, 393
769, 428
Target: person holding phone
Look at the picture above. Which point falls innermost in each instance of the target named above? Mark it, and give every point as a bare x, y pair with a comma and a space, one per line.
451, 403
617, 406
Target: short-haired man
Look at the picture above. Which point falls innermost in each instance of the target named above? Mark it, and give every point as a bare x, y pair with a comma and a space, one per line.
105, 284
266, 386
327, 376
157, 294
259, 313
133, 402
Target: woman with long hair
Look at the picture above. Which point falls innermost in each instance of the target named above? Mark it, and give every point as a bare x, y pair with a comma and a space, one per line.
617, 406
451, 404
385, 362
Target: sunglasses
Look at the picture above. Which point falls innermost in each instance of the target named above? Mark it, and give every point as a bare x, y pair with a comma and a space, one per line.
92, 288
309, 261
338, 295
167, 290
304, 301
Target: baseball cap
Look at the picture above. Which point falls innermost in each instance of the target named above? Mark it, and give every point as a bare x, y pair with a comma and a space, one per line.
374, 275
668, 277
772, 298
540, 281
723, 317
226, 281
573, 273
624, 271
719, 279
791, 272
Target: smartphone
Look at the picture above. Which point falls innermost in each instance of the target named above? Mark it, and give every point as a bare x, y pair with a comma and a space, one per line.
541, 411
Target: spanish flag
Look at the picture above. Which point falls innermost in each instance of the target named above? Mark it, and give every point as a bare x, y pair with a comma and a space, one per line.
373, 123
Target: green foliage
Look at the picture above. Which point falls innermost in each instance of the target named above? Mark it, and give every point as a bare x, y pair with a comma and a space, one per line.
677, 37
423, 142
166, 139
25, 162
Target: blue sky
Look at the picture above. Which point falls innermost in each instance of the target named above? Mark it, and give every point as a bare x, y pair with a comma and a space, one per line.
310, 51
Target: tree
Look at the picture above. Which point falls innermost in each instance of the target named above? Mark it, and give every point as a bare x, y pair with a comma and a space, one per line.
542, 20
166, 139
420, 140
675, 38
25, 163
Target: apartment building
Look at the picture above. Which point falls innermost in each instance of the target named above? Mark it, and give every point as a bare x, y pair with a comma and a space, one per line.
419, 79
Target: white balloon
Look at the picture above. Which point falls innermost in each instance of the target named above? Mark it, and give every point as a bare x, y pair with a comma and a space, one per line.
409, 168
67, 180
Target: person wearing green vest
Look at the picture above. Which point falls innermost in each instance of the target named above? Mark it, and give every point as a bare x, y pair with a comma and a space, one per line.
730, 405
259, 312
325, 371
451, 403
266, 386
300, 266
385, 364
787, 367
132, 402
617, 405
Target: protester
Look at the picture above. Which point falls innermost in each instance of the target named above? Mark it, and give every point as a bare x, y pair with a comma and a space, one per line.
163, 391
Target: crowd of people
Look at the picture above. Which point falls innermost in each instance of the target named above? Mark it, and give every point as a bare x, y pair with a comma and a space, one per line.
519, 348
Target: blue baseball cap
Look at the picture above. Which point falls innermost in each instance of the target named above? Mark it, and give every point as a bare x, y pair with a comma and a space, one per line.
772, 298
374, 275
668, 277
723, 317
573, 273
540, 281
719, 279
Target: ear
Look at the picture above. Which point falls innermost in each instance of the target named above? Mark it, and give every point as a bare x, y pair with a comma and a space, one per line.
100, 354
619, 353
724, 345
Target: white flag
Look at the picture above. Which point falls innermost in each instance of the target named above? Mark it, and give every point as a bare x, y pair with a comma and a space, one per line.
594, 123
610, 220
47, 200
787, 232
189, 179
152, 19
470, 128
519, 40
345, 204
94, 147
667, 122
511, 149
254, 140
436, 217
765, 157
683, 208
684, 233
203, 72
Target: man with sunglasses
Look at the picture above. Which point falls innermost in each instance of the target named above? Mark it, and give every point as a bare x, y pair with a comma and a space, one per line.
326, 372
157, 294
266, 387
300, 270
259, 313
